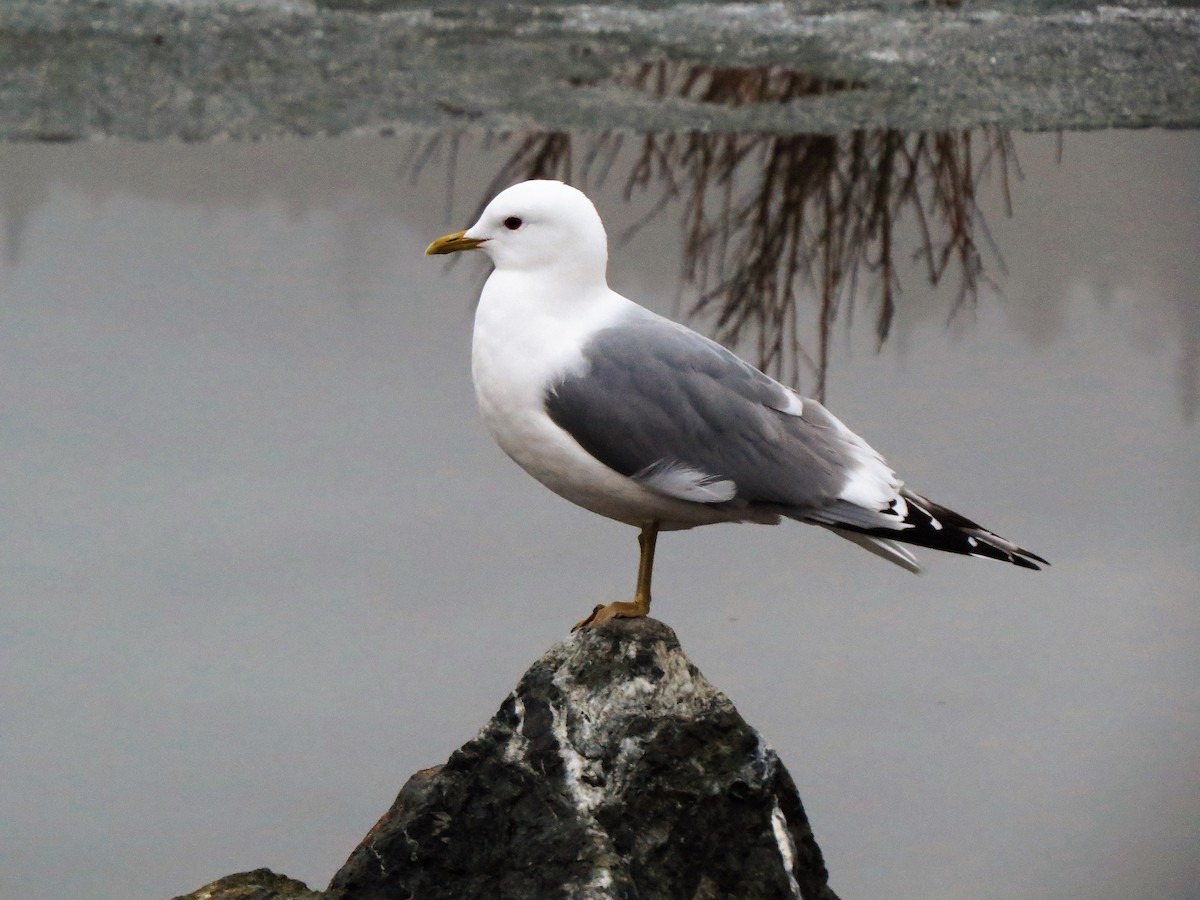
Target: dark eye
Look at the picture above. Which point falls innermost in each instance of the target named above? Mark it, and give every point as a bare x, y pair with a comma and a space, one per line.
512, 223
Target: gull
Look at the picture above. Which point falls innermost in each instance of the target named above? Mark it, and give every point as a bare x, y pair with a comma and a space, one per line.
638, 418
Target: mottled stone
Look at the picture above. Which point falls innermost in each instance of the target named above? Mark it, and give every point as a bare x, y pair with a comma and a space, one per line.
613, 770
261, 884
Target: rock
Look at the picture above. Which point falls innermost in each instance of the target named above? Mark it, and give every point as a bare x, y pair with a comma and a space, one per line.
261, 884
613, 770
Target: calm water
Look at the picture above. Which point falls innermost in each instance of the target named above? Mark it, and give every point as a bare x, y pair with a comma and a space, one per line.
260, 560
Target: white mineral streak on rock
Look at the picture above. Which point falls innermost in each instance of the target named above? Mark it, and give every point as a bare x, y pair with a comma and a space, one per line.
519, 711
514, 750
600, 881
787, 847
575, 767
687, 694
585, 725
764, 760
378, 857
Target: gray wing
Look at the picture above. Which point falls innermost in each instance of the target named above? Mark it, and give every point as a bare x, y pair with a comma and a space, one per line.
680, 413
684, 416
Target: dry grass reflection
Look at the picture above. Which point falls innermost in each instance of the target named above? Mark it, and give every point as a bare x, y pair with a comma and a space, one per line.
771, 220
778, 226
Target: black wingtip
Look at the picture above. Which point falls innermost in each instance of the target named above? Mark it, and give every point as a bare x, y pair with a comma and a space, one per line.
982, 548
1027, 560
1035, 559
929, 524
1019, 556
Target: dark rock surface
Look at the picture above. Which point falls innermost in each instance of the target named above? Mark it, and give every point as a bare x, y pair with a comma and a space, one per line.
153, 69
614, 769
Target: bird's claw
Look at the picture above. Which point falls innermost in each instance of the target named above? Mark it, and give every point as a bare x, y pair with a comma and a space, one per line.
584, 623
619, 610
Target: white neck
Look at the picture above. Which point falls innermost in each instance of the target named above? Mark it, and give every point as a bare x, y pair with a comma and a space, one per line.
531, 330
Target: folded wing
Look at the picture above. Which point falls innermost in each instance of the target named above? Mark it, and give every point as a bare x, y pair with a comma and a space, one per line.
683, 416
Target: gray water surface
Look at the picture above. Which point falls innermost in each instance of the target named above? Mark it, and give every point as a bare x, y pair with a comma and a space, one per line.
260, 560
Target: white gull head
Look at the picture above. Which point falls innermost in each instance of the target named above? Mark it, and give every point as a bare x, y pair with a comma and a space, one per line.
543, 227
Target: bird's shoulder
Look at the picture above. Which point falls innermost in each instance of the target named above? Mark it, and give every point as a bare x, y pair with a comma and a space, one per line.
646, 352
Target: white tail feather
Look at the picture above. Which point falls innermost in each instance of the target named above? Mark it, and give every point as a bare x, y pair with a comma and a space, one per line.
882, 547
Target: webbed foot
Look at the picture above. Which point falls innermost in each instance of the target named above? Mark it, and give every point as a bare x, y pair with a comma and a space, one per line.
619, 610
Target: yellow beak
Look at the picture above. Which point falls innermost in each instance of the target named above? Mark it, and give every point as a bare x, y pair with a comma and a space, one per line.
452, 243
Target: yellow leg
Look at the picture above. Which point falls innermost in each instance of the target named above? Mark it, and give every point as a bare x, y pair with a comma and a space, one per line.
641, 597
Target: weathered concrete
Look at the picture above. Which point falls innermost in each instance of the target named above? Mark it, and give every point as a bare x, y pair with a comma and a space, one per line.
150, 69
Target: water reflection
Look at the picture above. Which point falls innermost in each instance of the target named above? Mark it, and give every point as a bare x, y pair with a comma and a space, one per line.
772, 220
243, 458
783, 236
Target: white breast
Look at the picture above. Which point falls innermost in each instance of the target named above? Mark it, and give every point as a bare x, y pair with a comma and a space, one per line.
525, 338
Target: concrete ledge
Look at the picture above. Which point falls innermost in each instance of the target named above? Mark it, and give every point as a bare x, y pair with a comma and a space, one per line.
151, 69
